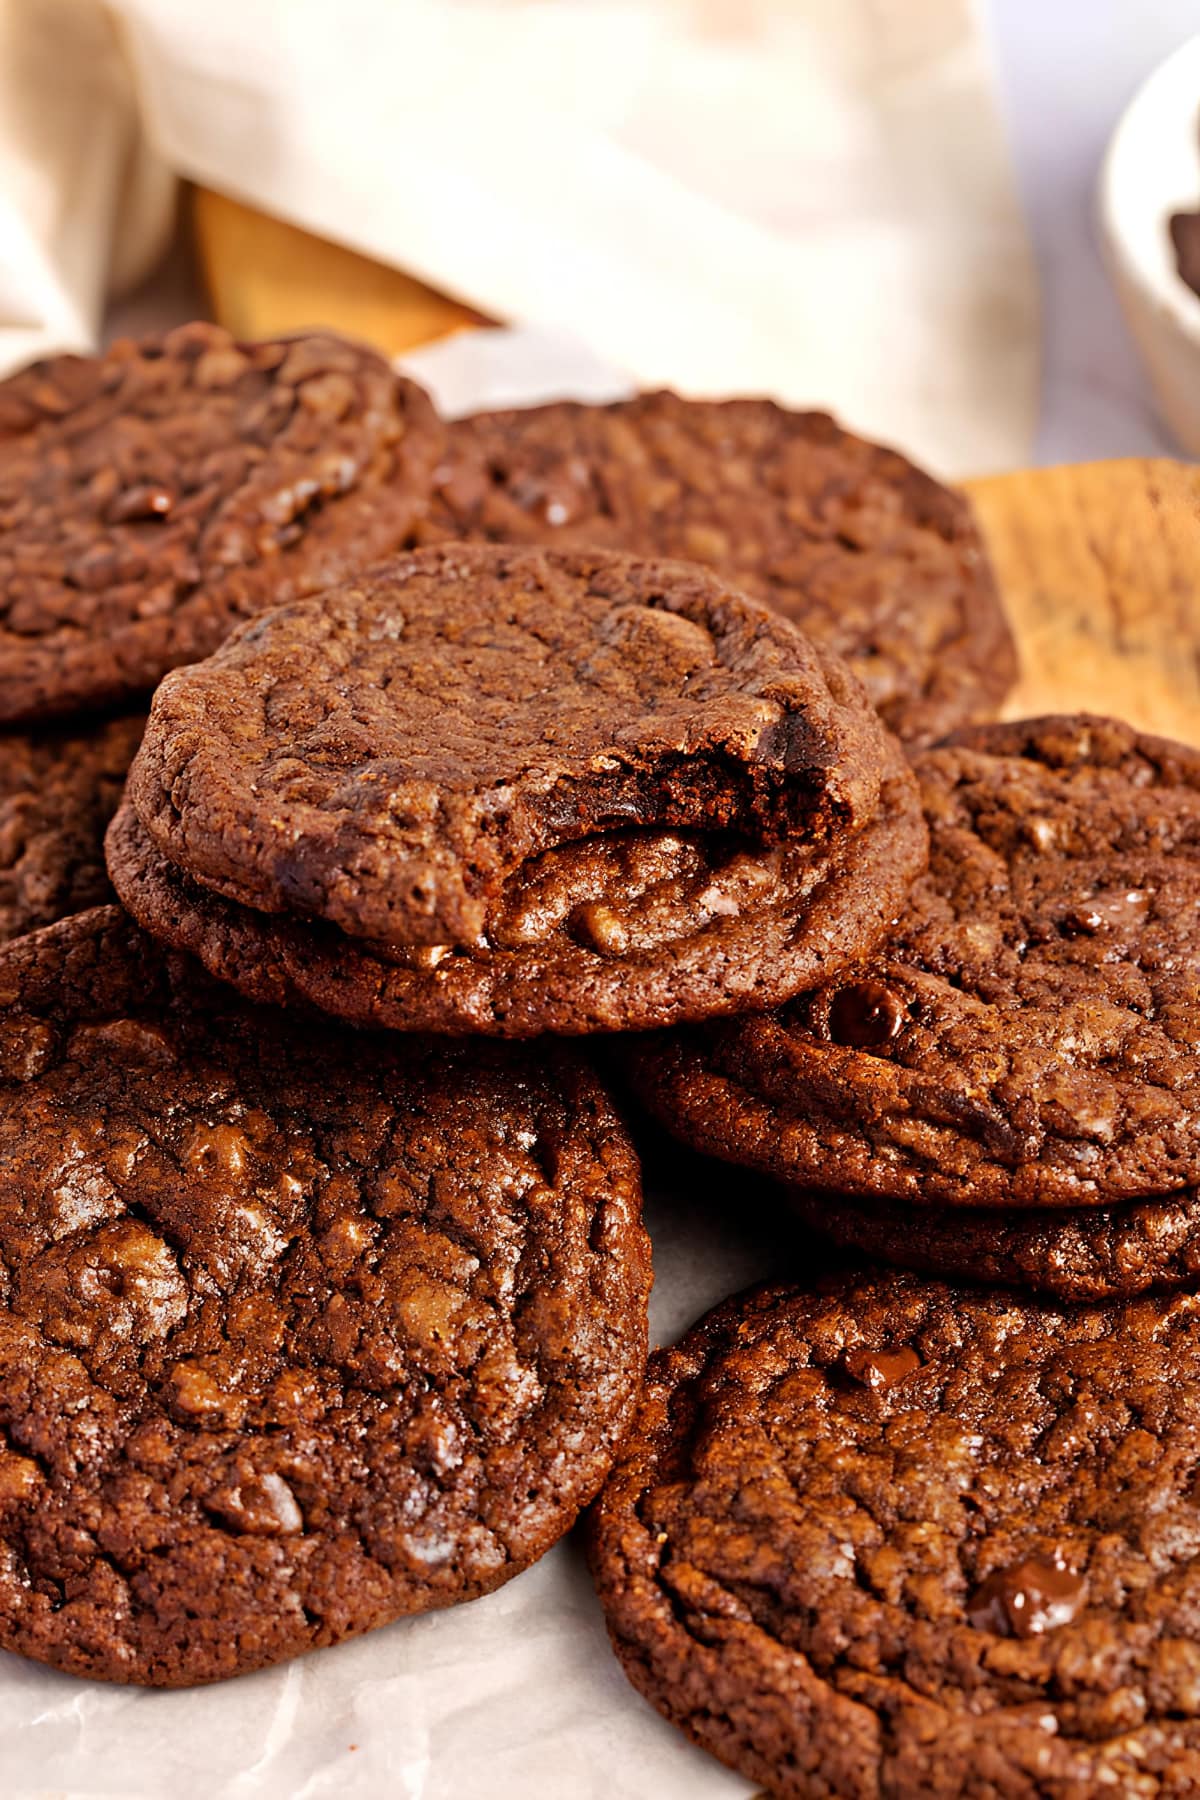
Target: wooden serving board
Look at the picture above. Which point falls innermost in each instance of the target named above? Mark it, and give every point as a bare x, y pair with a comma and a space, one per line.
266, 278
1099, 563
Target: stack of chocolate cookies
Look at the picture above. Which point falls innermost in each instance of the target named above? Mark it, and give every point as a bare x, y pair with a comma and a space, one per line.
1009, 1087
323, 1280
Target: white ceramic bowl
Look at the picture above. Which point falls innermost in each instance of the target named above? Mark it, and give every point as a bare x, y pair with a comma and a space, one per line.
1151, 170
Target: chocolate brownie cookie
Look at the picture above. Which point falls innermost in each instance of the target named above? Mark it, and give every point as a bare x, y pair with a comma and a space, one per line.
1030, 1036
300, 1329
873, 559
532, 790
151, 497
885, 1537
1076, 1253
575, 950
58, 790
385, 755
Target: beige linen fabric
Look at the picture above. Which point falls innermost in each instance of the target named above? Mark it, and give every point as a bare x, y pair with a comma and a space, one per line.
809, 198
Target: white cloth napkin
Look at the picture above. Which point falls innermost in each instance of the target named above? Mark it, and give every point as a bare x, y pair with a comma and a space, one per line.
809, 198
85, 205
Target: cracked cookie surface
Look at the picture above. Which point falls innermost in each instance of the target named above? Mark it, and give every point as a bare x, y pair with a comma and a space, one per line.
883, 1538
1028, 1036
59, 787
300, 1329
875, 560
153, 496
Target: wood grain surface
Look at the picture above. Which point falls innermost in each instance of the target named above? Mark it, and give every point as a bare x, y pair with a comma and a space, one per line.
1099, 565
266, 278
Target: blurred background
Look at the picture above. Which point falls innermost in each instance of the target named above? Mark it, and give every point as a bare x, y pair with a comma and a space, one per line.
894, 208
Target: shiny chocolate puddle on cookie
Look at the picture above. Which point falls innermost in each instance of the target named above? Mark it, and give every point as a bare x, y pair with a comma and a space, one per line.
1027, 1599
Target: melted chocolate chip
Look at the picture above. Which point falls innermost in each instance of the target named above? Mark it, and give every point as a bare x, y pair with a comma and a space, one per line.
145, 500
865, 1015
1120, 911
881, 1369
1026, 1599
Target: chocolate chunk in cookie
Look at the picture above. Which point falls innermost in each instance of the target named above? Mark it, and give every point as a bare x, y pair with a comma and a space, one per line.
58, 790
875, 560
886, 1537
1029, 1036
300, 1329
590, 966
516, 791
151, 497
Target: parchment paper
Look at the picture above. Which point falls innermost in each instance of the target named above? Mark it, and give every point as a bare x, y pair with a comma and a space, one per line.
514, 1697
